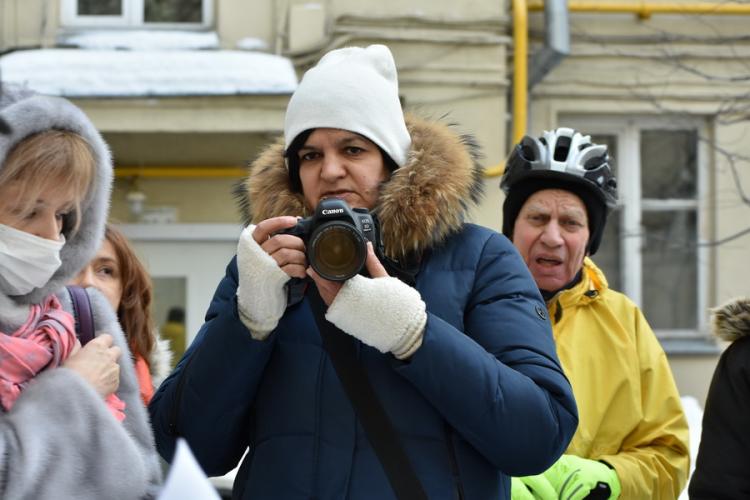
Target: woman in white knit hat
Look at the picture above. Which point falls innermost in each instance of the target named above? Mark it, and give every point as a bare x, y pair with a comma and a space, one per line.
72, 424
445, 323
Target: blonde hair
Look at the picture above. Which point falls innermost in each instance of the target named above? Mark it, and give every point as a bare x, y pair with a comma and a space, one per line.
53, 159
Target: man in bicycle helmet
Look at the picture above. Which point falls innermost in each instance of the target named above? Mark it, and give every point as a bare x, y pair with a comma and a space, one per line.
631, 441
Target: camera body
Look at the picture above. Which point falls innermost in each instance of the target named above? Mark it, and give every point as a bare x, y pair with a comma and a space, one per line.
336, 238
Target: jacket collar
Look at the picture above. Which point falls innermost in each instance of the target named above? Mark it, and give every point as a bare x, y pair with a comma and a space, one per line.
419, 206
593, 283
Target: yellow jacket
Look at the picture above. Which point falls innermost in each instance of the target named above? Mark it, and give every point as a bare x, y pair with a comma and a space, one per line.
630, 414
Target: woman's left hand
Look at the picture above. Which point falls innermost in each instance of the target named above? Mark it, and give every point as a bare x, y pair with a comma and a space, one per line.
380, 311
330, 289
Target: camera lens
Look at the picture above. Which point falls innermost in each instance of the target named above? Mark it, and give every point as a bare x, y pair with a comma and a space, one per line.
337, 251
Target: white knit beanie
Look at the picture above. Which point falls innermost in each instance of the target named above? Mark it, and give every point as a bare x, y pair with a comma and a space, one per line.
354, 89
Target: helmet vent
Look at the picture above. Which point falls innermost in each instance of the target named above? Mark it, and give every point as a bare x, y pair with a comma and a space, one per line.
562, 149
594, 163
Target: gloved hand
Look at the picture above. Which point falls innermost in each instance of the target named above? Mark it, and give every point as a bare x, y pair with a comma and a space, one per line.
532, 488
384, 313
261, 295
574, 478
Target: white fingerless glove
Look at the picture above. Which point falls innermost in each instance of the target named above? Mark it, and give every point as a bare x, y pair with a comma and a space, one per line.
384, 313
261, 295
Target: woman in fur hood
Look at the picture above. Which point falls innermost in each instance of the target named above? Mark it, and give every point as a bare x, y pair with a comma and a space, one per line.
71, 421
448, 326
722, 469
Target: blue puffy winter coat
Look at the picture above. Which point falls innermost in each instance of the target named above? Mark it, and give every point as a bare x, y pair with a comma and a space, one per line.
483, 398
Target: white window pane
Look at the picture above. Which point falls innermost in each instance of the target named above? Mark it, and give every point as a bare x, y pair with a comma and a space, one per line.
173, 11
670, 277
668, 163
99, 7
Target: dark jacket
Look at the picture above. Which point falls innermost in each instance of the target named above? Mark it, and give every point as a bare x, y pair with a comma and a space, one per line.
722, 469
484, 397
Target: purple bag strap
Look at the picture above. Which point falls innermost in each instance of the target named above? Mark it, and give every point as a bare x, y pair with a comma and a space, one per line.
83, 314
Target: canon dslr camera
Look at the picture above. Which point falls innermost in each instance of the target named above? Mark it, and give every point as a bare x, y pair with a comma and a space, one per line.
336, 238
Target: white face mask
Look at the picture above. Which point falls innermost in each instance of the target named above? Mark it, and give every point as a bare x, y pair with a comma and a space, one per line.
27, 261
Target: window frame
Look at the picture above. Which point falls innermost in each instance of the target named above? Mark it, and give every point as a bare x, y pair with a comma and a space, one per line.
131, 17
627, 132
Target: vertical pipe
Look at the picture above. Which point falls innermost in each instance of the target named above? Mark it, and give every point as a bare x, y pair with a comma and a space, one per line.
520, 69
520, 78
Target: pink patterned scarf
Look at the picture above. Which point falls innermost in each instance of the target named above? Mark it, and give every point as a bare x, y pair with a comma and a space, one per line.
44, 341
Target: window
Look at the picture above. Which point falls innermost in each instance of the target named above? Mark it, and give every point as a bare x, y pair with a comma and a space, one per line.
137, 13
652, 248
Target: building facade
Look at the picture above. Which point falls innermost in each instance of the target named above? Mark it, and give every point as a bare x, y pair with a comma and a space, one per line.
665, 87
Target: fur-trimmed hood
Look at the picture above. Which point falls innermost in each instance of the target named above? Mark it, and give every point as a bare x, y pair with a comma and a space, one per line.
28, 113
160, 360
418, 207
731, 320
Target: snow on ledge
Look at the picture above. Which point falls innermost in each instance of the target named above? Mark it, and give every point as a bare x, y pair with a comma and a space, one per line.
140, 40
115, 73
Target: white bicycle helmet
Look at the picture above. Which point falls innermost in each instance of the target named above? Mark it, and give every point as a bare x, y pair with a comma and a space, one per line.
565, 159
566, 154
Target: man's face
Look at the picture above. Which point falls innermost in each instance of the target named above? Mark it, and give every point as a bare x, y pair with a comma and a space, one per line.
551, 234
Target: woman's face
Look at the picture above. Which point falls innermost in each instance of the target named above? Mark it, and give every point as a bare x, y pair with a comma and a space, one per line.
42, 218
340, 164
103, 273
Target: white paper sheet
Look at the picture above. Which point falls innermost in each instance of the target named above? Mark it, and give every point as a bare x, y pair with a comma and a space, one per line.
186, 479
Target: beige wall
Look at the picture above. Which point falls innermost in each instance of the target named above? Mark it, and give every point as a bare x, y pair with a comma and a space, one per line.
732, 214
27, 23
198, 200
238, 19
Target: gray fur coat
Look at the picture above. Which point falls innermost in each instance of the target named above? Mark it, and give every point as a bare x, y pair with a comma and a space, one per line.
60, 440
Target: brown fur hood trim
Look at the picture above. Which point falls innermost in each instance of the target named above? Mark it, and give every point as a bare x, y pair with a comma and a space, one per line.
731, 321
423, 202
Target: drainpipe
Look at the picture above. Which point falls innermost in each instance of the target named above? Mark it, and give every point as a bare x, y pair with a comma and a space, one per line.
556, 41
556, 47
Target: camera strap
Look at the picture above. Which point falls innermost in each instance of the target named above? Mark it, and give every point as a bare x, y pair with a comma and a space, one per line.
342, 350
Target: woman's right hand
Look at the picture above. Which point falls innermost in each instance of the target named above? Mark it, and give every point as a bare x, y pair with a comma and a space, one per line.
265, 262
97, 363
287, 250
